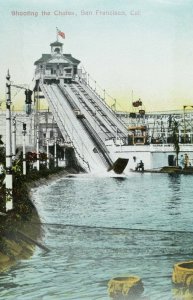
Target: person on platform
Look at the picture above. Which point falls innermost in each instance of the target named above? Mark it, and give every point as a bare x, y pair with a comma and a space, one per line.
186, 160
140, 166
181, 161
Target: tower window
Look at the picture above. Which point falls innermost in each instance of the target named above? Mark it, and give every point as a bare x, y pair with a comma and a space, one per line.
68, 71
57, 50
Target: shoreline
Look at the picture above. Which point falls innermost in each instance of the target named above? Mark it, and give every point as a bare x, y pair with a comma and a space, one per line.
18, 239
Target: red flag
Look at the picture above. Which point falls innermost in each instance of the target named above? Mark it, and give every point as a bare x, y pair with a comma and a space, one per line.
61, 33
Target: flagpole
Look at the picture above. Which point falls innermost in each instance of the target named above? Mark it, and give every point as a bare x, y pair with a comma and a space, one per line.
9, 175
57, 34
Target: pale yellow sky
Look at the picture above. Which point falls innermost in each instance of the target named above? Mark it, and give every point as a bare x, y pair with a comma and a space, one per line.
150, 53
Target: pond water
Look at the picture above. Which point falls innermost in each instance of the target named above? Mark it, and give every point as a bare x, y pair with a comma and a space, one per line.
98, 228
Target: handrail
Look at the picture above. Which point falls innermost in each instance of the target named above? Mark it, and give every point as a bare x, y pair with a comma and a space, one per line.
107, 123
98, 142
98, 96
75, 148
89, 109
57, 117
90, 130
85, 86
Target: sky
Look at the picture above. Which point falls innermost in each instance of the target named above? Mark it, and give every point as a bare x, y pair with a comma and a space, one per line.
146, 52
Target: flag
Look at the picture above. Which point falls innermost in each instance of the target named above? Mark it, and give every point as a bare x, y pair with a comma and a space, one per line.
60, 33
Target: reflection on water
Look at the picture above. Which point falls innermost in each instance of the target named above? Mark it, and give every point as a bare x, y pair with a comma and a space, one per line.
18, 237
174, 201
101, 228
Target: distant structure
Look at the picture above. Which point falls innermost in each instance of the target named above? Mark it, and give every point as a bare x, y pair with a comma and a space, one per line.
78, 118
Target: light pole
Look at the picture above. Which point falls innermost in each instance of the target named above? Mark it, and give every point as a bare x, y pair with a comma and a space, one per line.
55, 151
37, 149
24, 152
9, 176
48, 159
115, 104
13, 138
184, 107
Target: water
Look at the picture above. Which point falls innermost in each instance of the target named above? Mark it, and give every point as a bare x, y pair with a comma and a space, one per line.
100, 228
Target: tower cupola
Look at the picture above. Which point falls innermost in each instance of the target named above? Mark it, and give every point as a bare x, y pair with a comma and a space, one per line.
56, 48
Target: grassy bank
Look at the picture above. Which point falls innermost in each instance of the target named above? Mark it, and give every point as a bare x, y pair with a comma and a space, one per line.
17, 234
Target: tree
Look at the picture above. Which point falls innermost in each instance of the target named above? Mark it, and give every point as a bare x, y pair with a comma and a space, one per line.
1, 142
2, 151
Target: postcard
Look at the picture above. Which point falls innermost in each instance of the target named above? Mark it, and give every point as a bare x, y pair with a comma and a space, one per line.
96, 149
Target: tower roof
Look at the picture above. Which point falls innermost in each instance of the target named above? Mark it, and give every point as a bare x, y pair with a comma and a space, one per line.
47, 57
56, 44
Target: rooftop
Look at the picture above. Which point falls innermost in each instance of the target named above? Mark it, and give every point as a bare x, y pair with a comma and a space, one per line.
47, 57
56, 44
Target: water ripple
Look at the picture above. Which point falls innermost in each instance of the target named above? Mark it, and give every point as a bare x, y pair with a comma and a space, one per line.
99, 228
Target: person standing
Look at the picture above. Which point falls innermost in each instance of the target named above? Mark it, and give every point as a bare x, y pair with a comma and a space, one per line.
186, 160
181, 161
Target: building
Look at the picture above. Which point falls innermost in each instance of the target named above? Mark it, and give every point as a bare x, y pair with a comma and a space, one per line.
56, 67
